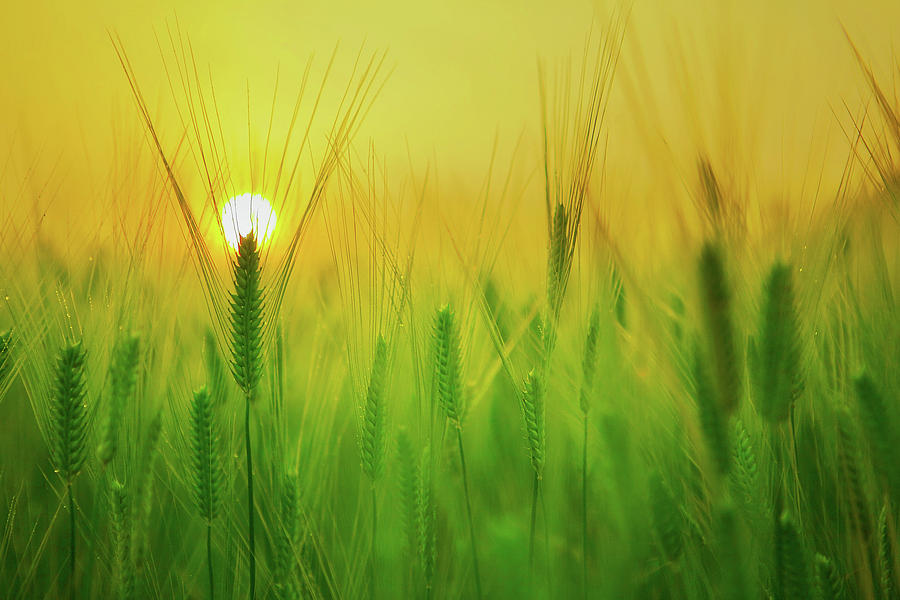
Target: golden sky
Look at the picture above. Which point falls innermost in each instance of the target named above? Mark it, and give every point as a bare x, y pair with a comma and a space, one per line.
759, 86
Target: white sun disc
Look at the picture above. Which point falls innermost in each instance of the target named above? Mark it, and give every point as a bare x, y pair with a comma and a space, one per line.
245, 213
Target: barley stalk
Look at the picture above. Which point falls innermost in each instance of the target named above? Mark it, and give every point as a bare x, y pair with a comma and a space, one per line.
69, 418
122, 379
206, 472
246, 362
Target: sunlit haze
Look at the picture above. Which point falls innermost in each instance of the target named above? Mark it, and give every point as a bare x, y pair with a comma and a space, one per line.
245, 213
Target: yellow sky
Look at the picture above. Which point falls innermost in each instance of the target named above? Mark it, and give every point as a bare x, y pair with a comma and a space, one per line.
753, 84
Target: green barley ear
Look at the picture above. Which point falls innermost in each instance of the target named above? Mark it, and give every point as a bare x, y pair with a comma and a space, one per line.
874, 417
778, 364
589, 359
713, 423
120, 530
247, 317
143, 491
886, 554
206, 471
447, 369
829, 580
746, 468
533, 410
716, 300
556, 260
667, 518
407, 484
790, 561
286, 540
426, 517
372, 439
69, 413
122, 378
848, 459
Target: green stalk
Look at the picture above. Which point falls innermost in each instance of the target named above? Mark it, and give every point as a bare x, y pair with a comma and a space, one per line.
534, 501
71, 540
372, 566
584, 570
209, 563
250, 536
462, 460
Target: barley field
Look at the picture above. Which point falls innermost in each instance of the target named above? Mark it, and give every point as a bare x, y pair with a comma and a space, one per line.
482, 300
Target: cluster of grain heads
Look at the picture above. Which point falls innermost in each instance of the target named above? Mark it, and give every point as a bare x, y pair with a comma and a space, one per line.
792, 571
69, 419
122, 378
206, 468
830, 584
778, 361
120, 532
717, 317
879, 430
286, 539
447, 375
246, 357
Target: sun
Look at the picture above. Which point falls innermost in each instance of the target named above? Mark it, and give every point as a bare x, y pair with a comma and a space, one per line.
245, 213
